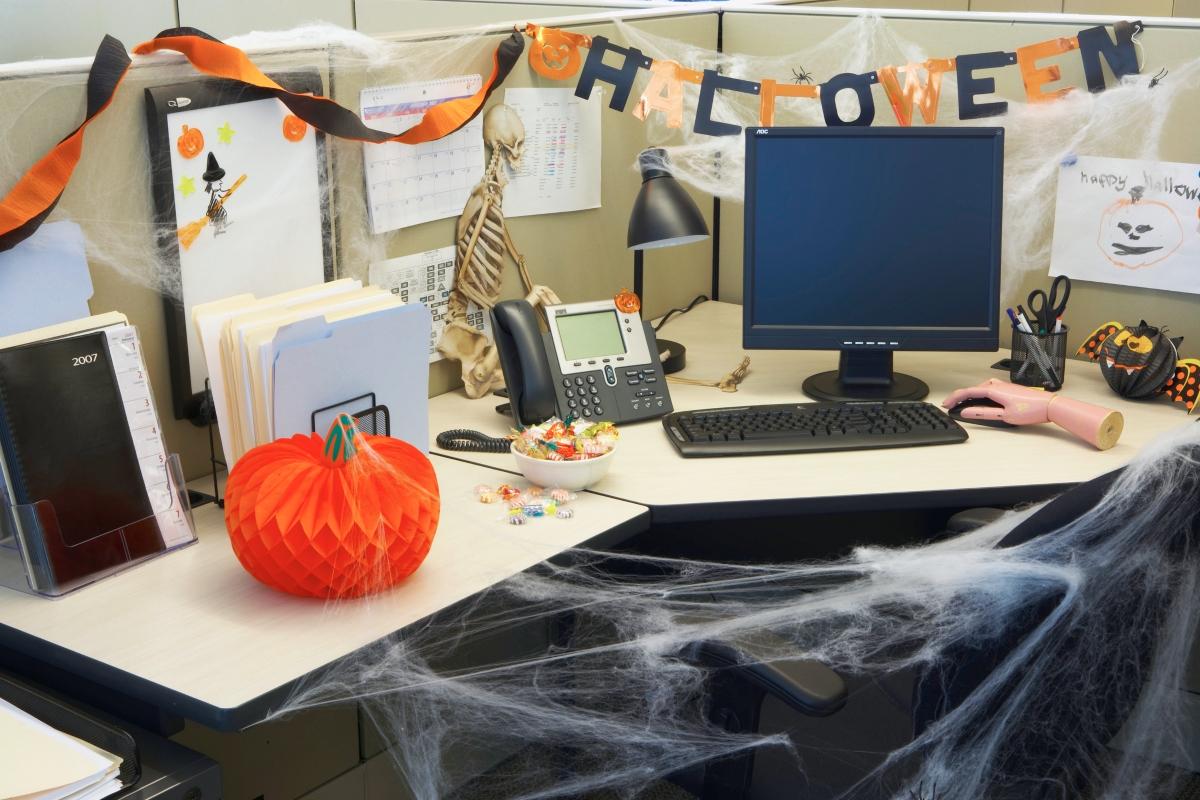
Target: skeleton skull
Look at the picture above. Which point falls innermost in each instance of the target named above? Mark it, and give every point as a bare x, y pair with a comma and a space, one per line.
504, 132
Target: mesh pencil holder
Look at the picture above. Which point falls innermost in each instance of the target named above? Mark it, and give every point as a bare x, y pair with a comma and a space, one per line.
1039, 359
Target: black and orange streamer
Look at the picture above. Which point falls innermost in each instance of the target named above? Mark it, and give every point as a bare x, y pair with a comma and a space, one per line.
214, 57
37, 192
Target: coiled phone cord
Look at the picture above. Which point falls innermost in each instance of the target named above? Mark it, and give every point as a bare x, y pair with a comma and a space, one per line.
462, 439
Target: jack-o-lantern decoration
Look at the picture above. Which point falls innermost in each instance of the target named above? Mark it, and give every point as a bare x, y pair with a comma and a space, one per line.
190, 142
627, 302
1137, 232
342, 516
1136, 361
294, 128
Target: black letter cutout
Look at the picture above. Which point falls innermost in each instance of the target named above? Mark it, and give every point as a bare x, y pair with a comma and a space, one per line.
713, 80
861, 84
969, 86
621, 77
1121, 55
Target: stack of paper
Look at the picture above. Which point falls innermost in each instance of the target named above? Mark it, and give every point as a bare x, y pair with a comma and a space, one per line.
38, 762
288, 363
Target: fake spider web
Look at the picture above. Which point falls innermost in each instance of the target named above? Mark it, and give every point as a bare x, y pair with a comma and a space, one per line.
617, 699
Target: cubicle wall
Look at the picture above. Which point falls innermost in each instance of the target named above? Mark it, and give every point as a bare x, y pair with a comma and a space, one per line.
1167, 43
581, 255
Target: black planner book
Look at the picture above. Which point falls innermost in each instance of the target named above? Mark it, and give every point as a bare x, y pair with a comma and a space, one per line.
70, 460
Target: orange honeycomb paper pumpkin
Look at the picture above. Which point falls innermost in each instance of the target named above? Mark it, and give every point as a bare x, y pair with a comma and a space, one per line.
343, 516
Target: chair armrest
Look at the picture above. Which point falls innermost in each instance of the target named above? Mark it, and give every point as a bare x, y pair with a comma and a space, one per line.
807, 686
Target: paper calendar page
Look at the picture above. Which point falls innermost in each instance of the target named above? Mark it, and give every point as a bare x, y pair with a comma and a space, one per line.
410, 184
427, 278
126, 354
560, 170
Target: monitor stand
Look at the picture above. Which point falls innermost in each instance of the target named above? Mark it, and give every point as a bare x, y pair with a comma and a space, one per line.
864, 375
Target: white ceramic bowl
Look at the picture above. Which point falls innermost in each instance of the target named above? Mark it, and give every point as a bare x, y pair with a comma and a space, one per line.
573, 475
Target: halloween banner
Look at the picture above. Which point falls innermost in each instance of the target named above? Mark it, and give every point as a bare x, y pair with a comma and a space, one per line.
556, 54
1128, 222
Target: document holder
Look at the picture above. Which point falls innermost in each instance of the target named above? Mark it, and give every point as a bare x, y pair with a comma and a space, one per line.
39, 556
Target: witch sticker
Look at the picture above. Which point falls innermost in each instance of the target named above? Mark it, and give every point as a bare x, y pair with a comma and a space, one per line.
216, 214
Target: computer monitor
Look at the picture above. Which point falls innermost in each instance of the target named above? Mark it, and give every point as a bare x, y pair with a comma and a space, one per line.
872, 240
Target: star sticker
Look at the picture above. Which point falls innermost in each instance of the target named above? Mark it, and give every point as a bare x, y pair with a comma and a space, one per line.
187, 185
225, 134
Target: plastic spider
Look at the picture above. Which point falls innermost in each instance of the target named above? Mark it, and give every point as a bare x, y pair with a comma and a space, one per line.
801, 76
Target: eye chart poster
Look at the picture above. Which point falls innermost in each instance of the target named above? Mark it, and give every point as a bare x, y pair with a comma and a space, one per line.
1128, 222
428, 278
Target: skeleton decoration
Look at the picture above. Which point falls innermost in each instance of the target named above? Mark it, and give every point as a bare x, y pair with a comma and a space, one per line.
482, 242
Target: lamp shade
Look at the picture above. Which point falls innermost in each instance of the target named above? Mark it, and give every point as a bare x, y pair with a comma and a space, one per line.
664, 215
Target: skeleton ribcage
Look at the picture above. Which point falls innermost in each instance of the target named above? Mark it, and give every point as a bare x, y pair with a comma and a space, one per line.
479, 275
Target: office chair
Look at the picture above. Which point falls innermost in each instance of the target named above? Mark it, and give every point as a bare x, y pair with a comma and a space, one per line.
743, 677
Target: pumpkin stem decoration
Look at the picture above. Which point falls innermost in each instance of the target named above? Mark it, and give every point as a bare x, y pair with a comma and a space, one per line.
339, 442
343, 515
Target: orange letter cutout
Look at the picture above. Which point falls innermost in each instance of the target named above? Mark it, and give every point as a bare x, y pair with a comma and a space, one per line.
1035, 78
665, 92
770, 90
923, 95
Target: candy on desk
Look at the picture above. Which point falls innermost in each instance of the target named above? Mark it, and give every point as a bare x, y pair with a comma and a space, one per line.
564, 513
516, 519
488, 497
561, 495
533, 510
507, 492
571, 440
551, 508
482, 489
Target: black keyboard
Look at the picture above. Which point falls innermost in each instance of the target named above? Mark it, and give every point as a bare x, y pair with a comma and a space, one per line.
809, 428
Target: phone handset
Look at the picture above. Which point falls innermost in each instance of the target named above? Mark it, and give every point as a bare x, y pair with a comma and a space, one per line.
522, 353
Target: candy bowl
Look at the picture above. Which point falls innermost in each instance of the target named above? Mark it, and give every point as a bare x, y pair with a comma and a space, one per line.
573, 475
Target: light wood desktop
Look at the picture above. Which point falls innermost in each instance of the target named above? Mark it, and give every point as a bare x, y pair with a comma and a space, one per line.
193, 634
994, 466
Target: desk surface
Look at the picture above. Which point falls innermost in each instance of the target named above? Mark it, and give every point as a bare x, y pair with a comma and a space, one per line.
994, 466
192, 633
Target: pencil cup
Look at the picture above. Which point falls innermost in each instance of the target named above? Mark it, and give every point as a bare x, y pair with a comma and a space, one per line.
1039, 359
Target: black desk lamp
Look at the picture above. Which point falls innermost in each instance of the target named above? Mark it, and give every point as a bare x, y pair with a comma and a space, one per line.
664, 215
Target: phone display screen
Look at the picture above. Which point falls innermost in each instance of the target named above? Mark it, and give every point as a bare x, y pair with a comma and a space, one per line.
590, 335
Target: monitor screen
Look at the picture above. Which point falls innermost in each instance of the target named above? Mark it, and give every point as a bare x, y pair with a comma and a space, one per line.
590, 335
879, 237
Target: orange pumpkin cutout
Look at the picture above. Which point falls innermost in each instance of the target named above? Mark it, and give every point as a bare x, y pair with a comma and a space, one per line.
1137, 233
627, 302
294, 128
190, 143
344, 516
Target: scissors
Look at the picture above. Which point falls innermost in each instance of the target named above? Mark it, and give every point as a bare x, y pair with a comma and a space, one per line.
1047, 309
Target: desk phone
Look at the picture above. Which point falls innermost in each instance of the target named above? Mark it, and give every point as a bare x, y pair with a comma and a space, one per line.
596, 362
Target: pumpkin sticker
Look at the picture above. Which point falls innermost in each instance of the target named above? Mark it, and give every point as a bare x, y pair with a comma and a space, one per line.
190, 142
294, 128
1137, 232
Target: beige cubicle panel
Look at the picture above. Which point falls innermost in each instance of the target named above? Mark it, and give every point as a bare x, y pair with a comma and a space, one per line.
402, 16
1167, 43
582, 255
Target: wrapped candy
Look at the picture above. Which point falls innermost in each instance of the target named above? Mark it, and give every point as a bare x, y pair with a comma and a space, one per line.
569, 440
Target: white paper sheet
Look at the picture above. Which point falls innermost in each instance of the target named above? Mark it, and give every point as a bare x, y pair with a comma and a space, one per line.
410, 184
41, 762
560, 170
427, 278
274, 239
1101, 233
44, 280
